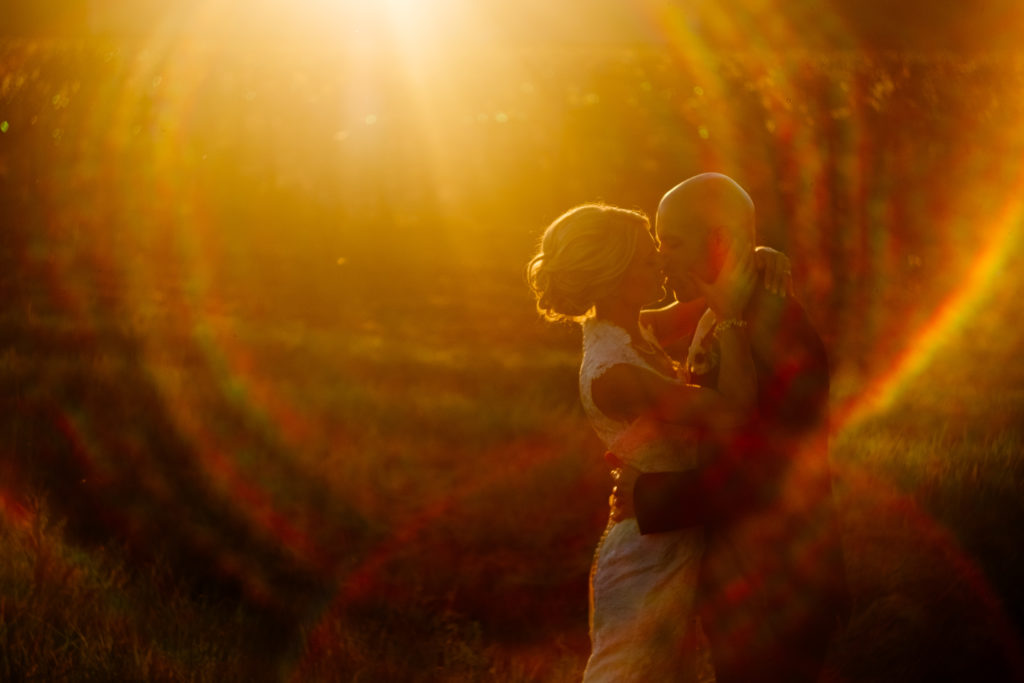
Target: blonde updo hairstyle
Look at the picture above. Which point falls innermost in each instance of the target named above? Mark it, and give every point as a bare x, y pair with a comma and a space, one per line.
582, 257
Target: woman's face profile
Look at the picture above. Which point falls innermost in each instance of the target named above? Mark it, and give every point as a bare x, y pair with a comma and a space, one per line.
643, 281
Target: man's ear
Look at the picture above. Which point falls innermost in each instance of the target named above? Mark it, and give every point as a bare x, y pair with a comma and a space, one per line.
718, 249
716, 239
718, 243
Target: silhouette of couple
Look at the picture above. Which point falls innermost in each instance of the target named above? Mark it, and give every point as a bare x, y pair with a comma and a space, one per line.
722, 520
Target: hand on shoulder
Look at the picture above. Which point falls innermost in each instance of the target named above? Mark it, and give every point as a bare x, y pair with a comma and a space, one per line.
776, 270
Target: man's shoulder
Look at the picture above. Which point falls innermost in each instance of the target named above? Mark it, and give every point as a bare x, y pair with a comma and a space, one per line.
792, 363
779, 324
772, 312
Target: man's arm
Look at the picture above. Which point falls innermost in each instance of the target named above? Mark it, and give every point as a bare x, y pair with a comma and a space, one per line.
792, 365
793, 385
666, 501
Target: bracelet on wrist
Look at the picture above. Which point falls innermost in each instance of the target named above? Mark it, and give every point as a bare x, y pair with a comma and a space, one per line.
727, 324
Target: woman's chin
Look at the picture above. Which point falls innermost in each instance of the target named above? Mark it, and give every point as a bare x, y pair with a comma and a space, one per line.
683, 290
658, 297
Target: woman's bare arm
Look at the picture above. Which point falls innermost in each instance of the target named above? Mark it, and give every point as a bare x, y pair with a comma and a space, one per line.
728, 297
626, 392
678, 320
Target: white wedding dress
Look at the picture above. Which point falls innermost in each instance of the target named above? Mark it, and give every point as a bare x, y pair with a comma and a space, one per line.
642, 588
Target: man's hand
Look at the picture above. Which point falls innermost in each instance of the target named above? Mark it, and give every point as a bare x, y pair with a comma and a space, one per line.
621, 500
728, 295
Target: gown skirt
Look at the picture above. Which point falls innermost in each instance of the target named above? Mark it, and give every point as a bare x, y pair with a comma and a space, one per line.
642, 592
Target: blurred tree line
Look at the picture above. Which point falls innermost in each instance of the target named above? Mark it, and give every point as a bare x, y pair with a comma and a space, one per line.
784, 24
874, 171
194, 179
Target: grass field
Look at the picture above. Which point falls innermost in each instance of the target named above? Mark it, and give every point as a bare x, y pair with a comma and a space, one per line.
267, 414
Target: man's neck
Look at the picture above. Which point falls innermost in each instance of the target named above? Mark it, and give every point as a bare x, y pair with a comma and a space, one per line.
674, 323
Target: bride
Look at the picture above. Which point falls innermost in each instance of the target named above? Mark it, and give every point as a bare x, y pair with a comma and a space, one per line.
599, 265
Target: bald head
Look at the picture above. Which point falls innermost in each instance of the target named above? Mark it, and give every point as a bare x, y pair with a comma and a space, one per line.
697, 221
708, 202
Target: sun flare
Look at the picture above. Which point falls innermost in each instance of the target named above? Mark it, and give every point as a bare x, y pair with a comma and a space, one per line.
272, 380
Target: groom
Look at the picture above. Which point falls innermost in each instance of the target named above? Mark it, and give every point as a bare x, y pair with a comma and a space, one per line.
773, 589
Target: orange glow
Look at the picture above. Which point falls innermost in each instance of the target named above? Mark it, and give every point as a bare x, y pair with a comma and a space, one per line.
265, 314
952, 318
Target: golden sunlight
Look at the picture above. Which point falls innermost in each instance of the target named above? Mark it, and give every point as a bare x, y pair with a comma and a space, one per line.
272, 374
309, 23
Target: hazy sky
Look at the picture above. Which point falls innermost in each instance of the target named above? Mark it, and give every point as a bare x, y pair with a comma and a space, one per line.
772, 23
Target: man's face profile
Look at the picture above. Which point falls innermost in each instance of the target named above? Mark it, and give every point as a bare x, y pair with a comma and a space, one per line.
685, 255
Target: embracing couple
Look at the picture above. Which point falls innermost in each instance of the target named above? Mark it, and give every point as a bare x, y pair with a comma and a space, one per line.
722, 519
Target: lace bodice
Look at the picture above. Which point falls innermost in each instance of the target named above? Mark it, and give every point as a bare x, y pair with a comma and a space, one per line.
644, 443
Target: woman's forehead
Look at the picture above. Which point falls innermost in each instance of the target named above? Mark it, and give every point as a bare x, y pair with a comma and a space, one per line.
679, 235
648, 241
